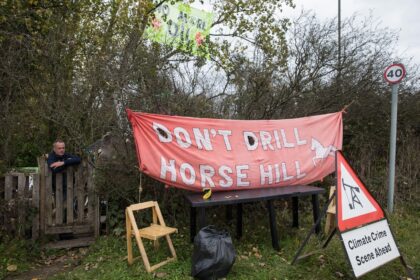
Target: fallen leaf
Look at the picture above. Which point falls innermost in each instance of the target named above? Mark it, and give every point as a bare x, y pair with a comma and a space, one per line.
87, 266
83, 251
11, 267
161, 274
321, 259
339, 274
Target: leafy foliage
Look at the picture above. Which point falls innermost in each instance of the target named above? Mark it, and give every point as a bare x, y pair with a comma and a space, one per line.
70, 68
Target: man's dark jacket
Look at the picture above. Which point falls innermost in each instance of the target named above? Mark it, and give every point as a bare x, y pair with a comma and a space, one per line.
67, 158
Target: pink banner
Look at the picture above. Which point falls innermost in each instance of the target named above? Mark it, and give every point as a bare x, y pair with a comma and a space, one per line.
196, 153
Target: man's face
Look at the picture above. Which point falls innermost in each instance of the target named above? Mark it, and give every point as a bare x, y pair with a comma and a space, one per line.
59, 148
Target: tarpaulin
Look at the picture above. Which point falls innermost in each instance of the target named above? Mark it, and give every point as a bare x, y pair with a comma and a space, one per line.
197, 153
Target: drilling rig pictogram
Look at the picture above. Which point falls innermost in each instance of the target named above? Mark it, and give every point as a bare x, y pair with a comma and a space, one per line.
353, 193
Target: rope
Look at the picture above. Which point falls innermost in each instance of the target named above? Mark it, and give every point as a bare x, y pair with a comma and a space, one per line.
140, 186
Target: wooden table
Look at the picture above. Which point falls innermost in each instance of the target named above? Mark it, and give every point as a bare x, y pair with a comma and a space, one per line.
253, 195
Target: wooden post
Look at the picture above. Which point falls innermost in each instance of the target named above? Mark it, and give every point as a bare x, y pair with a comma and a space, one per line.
8, 187
80, 186
97, 215
42, 173
35, 205
70, 196
48, 198
58, 198
91, 193
8, 192
21, 207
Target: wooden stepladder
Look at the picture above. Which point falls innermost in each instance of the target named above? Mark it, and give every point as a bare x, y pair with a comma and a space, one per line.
330, 219
153, 232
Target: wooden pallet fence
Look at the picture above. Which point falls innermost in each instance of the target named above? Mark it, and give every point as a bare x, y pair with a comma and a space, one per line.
68, 202
20, 215
37, 204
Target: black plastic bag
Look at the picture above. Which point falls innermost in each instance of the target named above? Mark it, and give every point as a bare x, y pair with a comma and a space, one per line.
213, 254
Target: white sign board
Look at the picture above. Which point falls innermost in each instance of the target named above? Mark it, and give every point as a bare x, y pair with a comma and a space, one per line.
370, 246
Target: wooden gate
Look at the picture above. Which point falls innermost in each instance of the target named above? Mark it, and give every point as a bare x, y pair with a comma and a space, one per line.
68, 203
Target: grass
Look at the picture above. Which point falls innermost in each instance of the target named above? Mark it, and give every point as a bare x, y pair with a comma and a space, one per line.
17, 252
256, 259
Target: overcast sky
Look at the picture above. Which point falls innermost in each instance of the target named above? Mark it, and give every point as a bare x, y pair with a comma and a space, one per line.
400, 15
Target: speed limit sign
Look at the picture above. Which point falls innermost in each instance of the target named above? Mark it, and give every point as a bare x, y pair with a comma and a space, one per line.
394, 73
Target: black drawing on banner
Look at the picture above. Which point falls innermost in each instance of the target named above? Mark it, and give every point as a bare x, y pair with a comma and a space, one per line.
354, 197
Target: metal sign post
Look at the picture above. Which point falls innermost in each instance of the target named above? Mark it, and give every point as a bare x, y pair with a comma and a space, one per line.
393, 75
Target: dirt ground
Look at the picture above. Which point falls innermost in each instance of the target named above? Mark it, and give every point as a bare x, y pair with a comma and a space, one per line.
49, 266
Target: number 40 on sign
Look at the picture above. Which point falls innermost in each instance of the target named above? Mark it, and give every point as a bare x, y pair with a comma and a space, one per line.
394, 73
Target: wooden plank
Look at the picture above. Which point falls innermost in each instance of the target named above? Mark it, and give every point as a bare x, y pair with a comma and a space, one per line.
58, 198
76, 229
8, 193
80, 186
155, 221
331, 206
47, 169
8, 187
330, 218
72, 243
156, 266
48, 199
42, 177
96, 221
35, 205
128, 238
159, 214
141, 206
21, 204
250, 195
91, 195
69, 217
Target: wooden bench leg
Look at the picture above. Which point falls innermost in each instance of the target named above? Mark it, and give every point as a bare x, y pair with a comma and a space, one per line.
315, 209
273, 226
239, 220
295, 211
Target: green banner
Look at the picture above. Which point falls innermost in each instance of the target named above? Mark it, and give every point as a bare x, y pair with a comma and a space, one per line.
181, 26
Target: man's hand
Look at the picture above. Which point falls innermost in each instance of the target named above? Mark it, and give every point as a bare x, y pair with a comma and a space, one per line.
57, 164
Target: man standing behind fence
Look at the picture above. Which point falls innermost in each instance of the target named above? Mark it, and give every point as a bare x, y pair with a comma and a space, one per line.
58, 159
